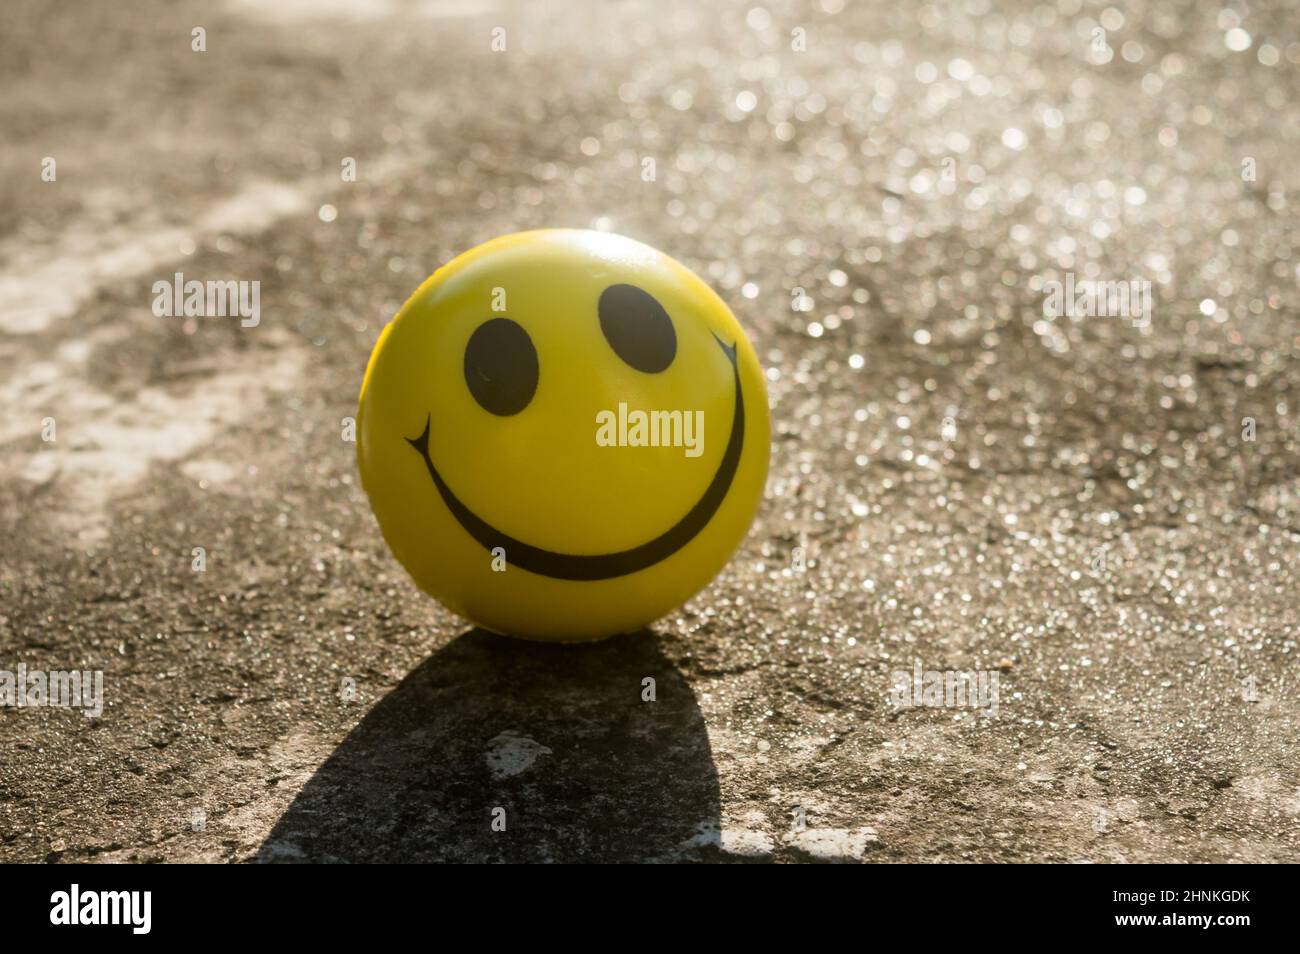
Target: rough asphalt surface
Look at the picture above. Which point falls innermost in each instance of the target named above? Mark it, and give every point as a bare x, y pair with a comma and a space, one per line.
1075, 503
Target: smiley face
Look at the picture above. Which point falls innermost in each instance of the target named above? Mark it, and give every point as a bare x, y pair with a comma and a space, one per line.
564, 434
501, 373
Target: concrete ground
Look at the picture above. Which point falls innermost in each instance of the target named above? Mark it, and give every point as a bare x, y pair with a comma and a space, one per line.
1102, 511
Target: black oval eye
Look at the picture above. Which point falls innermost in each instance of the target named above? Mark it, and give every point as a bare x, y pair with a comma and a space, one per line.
501, 366
637, 328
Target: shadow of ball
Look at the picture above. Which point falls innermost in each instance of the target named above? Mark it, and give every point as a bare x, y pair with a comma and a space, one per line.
497, 750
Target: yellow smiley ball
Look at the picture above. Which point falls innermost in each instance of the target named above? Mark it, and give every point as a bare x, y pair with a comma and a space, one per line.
563, 434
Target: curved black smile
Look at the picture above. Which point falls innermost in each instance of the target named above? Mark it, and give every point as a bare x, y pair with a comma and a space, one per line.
602, 566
